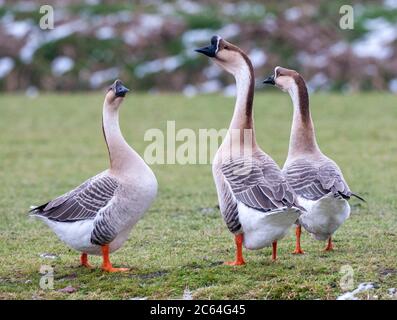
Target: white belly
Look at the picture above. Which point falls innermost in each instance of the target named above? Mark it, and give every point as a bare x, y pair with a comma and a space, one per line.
324, 216
261, 229
77, 235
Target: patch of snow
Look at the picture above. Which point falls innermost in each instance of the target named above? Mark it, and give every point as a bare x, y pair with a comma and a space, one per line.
393, 85
338, 48
187, 294
130, 38
293, 14
376, 42
165, 64
243, 9
270, 24
229, 31
37, 37
319, 81
105, 32
48, 256
166, 8
189, 7
60, 65
100, 77
150, 22
391, 4
6, 66
92, 2
193, 37
18, 29
351, 295
319, 60
258, 57
138, 298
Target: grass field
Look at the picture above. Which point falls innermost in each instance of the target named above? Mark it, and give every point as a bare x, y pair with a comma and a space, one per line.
50, 144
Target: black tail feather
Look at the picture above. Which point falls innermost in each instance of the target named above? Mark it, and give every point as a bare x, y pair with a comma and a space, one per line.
358, 197
38, 208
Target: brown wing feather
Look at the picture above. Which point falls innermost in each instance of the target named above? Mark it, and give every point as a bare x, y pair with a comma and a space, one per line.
315, 179
82, 203
258, 182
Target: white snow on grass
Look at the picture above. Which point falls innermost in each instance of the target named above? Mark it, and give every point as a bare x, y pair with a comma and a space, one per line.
258, 57
376, 43
18, 29
293, 14
165, 64
187, 294
6, 66
102, 76
105, 32
391, 4
60, 65
351, 295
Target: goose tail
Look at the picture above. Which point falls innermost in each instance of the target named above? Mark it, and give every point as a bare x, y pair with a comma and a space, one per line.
358, 197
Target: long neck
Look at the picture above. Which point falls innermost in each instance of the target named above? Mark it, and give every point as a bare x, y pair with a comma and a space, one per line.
303, 138
120, 153
242, 123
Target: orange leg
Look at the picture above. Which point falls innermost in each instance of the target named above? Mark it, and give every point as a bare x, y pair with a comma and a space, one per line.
84, 261
239, 251
274, 253
107, 265
298, 249
330, 246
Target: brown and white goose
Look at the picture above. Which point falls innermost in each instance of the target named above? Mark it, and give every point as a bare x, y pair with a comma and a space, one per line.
97, 216
255, 199
316, 179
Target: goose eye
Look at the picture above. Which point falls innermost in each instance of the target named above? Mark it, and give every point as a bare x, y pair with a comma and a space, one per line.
226, 47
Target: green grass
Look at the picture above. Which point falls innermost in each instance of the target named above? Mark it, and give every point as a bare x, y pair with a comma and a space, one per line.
53, 143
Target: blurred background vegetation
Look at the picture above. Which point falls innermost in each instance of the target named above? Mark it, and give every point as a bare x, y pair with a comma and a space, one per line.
149, 44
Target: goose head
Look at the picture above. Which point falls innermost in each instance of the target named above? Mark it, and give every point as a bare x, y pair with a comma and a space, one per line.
283, 78
226, 55
116, 93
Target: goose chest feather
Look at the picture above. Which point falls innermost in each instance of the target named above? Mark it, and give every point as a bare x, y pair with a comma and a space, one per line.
256, 202
97, 216
316, 179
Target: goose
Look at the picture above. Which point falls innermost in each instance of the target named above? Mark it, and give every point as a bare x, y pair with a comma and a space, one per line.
255, 200
317, 180
97, 216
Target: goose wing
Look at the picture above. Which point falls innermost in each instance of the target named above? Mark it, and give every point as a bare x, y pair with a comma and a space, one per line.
315, 179
82, 203
258, 182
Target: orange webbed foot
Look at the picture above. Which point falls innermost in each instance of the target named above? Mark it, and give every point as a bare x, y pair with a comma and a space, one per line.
111, 269
107, 265
234, 263
298, 251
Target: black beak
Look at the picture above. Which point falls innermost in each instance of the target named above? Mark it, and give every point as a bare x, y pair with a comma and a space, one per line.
119, 89
269, 80
208, 51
